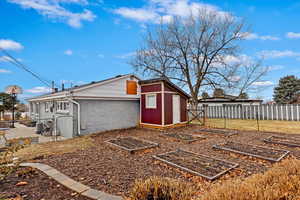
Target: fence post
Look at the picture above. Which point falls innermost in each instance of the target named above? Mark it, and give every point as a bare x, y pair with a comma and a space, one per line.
257, 121
287, 112
298, 117
292, 112
225, 115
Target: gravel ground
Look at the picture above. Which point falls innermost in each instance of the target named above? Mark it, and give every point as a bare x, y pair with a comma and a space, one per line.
107, 168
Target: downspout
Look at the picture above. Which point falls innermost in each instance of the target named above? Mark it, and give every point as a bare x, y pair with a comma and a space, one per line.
78, 111
78, 114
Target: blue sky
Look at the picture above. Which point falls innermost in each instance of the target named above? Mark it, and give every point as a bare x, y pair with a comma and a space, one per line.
78, 41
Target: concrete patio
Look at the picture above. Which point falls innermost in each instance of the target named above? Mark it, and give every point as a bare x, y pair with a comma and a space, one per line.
21, 131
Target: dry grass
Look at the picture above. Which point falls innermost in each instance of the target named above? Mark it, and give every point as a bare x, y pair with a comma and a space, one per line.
52, 148
292, 127
156, 188
280, 182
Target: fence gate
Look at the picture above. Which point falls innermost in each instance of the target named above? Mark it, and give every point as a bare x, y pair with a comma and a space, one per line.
197, 115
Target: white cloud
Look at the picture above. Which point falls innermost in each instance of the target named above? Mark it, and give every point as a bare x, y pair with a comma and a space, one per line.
164, 10
39, 89
126, 55
72, 82
4, 71
10, 45
263, 83
8, 59
5, 59
275, 67
55, 9
234, 78
68, 52
138, 14
232, 60
293, 35
279, 54
100, 55
254, 36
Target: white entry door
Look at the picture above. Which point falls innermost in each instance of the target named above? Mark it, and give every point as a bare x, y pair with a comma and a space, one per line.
176, 109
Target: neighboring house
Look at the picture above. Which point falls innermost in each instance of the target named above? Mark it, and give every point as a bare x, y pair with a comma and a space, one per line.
105, 105
228, 100
163, 104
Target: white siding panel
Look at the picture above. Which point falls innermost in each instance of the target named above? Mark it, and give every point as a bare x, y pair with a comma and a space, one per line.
115, 88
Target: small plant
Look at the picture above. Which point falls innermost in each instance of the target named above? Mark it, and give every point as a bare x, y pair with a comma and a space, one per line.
25, 172
156, 188
7, 166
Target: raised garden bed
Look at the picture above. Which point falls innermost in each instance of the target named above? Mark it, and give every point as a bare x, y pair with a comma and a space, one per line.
269, 154
132, 144
219, 131
197, 164
185, 137
291, 142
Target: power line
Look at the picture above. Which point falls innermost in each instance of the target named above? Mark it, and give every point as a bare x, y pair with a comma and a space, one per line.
17, 63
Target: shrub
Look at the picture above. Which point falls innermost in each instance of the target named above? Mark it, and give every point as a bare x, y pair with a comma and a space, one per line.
6, 161
280, 182
156, 188
18, 115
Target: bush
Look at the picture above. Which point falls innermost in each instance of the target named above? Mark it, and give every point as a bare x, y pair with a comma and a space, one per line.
280, 182
7, 166
156, 188
18, 115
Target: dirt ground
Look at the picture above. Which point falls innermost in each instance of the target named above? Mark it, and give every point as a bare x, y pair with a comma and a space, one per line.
113, 170
39, 186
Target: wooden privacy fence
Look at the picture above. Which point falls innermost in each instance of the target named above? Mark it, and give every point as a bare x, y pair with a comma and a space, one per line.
260, 112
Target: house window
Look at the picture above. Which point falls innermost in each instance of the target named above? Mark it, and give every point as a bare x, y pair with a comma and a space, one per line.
150, 100
46, 106
62, 106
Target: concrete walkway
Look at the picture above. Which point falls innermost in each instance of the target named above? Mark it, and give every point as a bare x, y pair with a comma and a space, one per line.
71, 184
23, 131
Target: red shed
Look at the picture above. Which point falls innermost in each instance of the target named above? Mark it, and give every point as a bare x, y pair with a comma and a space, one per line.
162, 103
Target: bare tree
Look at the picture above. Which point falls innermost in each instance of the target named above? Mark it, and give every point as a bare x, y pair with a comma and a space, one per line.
193, 51
248, 73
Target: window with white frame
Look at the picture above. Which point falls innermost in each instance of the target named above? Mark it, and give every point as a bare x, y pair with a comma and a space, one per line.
62, 106
46, 106
150, 100
49, 106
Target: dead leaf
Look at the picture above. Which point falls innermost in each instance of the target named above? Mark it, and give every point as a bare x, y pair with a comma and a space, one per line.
22, 183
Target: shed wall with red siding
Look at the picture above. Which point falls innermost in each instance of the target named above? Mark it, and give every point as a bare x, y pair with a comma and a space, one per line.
164, 109
152, 115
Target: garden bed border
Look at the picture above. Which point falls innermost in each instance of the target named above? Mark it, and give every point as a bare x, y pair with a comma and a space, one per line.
151, 144
211, 131
210, 178
268, 140
197, 137
253, 155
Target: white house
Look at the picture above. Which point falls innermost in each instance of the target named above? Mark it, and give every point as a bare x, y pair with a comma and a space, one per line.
98, 106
